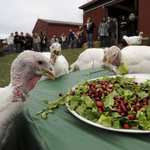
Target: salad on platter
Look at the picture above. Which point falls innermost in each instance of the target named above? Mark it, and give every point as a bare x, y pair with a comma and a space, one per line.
117, 102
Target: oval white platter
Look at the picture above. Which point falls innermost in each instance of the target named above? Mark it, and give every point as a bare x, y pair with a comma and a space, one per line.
139, 78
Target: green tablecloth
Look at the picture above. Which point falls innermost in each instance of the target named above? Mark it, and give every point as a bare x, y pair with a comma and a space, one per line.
62, 130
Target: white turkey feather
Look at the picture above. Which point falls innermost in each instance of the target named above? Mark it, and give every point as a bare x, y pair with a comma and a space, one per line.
90, 58
137, 58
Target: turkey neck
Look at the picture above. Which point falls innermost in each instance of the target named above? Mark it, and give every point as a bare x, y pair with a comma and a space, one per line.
22, 82
117, 60
8, 112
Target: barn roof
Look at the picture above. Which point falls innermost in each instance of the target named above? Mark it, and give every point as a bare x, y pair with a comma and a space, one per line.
89, 3
61, 22
94, 2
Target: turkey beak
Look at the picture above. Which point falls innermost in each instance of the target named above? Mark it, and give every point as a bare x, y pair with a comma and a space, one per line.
58, 49
50, 73
109, 62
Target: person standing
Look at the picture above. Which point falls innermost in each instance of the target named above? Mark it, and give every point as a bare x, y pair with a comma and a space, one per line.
71, 39
54, 40
36, 41
111, 31
132, 30
17, 41
89, 26
10, 42
41, 43
30, 41
123, 27
63, 41
80, 35
22, 42
103, 32
44, 43
26, 41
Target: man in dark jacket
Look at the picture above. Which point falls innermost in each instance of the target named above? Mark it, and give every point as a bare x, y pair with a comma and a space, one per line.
17, 41
89, 26
111, 31
22, 42
43, 43
71, 39
123, 24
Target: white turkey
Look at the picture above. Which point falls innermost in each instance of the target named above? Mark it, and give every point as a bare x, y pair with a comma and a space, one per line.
131, 59
59, 62
90, 58
133, 40
26, 70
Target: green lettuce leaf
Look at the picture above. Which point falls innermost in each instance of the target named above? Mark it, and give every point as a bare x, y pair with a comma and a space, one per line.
142, 94
87, 100
109, 99
88, 73
80, 110
122, 69
116, 124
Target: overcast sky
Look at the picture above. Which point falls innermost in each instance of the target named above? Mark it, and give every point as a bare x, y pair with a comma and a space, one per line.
21, 16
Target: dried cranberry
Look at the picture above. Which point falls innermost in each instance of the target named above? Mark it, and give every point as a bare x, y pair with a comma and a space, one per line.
97, 98
60, 94
105, 92
72, 93
115, 108
128, 107
115, 97
126, 126
96, 94
123, 114
119, 111
121, 97
125, 102
99, 104
144, 103
102, 91
125, 110
145, 100
132, 116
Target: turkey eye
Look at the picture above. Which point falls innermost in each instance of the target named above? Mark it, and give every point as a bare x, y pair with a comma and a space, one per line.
40, 62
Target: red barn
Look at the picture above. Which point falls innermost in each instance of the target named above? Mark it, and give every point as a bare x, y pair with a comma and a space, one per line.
97, 9
53, 27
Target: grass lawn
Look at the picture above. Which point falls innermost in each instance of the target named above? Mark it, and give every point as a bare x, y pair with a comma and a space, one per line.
5, 63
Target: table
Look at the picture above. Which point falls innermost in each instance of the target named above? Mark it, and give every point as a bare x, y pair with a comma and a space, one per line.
62, 130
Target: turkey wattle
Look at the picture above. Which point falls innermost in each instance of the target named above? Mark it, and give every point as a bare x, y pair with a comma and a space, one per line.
137, 58
90, 58
26, 70
133, 40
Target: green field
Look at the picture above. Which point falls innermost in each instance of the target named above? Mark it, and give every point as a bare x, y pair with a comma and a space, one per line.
5, 63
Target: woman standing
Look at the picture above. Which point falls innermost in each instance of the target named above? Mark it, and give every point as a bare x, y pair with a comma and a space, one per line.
103, 32
80, 35
132, 30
